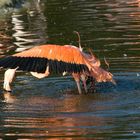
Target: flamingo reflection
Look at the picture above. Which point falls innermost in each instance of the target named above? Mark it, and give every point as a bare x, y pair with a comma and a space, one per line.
8, 97
45, 117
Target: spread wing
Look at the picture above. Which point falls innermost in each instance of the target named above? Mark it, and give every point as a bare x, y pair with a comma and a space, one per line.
58, 58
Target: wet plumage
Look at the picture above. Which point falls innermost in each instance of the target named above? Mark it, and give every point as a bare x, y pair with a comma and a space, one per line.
45, 59
59, 58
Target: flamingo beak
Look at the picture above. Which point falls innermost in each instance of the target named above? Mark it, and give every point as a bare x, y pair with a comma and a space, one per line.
113, 81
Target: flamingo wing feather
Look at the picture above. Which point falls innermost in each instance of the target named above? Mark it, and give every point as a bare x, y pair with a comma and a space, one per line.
58, 58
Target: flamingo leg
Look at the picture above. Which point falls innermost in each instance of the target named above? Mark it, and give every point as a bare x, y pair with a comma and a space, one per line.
78, 86
83, 78
8, 78
77, 80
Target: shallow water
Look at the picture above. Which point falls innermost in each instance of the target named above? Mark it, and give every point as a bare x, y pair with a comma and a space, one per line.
51, 108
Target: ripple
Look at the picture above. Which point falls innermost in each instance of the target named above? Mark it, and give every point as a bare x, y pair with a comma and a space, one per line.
51, 107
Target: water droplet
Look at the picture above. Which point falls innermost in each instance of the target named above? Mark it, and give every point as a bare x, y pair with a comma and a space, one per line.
125, 55
134, 132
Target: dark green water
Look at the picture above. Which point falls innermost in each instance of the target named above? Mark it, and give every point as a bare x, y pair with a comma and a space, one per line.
51, 108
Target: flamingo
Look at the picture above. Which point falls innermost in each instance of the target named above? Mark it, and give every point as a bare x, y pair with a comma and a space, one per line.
41, 61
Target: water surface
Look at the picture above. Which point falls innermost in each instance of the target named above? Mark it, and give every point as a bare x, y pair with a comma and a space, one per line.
51, 108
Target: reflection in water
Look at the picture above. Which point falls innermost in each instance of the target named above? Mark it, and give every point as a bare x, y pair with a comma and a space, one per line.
8, 97
43, 108
38, 114
49, 119
11, 3
5, 39
107, 26
33, 33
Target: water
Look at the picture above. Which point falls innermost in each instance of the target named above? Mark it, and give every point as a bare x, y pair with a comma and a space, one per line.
51, 108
